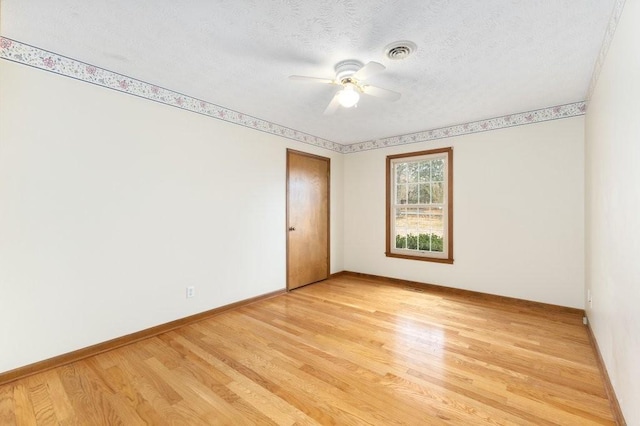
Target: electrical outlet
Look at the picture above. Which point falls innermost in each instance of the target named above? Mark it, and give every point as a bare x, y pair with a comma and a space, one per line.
191, 291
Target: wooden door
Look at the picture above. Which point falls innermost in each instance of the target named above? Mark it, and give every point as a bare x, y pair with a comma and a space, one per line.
307, 218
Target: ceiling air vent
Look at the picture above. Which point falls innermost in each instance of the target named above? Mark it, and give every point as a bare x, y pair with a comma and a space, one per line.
400, 50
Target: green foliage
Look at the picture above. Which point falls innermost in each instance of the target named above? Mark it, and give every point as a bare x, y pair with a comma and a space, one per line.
425, 242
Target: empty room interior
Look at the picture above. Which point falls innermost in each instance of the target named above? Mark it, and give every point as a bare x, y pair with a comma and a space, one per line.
335, 212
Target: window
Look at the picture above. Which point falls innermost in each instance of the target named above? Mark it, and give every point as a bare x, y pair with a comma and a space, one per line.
420, 205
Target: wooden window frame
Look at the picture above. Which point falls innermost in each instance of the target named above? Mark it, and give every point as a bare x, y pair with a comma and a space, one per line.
390, 181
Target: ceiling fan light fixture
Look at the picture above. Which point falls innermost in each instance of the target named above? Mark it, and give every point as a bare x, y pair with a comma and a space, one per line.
348, 96
350, 77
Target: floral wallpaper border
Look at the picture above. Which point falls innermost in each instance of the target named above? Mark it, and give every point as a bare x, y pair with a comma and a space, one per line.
606, 43
512, 120
16, 51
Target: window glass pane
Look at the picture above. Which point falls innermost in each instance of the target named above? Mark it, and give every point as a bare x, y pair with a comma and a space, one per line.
421, 220
413, 171
401, 226
437, 192
425, 193
401, 172
415, 220
437, 242
412, 241
425, 171
437, 229
423, 241
436, 220
437, 170
401, 223
401, 194
413, 192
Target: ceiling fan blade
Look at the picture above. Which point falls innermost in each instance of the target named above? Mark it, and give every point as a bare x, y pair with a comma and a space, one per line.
371, 68
311, 79
333, 105
379, 92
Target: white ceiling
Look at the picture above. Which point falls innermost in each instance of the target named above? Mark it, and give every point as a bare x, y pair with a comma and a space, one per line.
475, 59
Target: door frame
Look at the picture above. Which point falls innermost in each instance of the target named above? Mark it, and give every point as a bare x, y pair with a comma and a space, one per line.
328, 218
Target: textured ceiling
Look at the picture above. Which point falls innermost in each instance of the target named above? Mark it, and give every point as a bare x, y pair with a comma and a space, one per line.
475, 60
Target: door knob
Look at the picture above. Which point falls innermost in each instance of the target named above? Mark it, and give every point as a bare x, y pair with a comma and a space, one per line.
292, 228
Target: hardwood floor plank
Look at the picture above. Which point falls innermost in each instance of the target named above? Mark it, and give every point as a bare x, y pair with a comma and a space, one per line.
350, 351
238, 386
7, 406
40, 396
378, 344
88, 395
59, 399
332, 370
293, 374
24, 412
278, 381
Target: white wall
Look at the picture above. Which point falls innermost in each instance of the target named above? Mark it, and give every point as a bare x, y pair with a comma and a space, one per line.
613, 212
518, 214
111, 205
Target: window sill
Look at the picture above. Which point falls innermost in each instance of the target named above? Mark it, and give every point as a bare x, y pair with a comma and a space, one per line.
422, 258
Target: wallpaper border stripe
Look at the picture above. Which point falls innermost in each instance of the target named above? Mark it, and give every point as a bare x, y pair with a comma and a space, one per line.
511, 120
26, 54
606, 43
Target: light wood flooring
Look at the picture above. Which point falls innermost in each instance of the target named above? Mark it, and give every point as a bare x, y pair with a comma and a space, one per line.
347, 351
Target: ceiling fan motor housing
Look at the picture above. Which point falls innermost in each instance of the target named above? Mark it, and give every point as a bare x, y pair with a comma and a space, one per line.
345, 69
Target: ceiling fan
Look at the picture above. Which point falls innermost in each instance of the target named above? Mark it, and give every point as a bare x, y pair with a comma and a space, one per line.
351, 75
